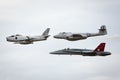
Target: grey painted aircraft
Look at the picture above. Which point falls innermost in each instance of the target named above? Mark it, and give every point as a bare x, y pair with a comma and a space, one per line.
99, 51
80, 36
19, 39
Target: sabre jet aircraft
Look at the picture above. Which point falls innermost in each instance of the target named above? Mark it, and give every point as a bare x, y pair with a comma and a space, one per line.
19, 39
80, 36
99, 51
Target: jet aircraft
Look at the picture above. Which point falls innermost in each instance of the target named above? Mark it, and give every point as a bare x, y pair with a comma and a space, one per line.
99, 51
19, 39
80, 36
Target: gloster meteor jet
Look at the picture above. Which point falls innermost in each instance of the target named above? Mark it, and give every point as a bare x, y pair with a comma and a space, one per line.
80, 36
99, 51
19, 39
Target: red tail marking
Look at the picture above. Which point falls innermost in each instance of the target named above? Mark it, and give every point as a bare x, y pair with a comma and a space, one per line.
100, 47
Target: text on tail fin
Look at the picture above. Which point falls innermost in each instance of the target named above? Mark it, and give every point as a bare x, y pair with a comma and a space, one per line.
100, 47
46, 32
103, 27
103, 30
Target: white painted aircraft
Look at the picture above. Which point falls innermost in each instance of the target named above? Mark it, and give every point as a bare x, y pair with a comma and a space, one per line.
80, 36
19, 39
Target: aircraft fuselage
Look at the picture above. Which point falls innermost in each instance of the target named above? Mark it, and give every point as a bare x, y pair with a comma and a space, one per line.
83, 52
80, 36
19, 39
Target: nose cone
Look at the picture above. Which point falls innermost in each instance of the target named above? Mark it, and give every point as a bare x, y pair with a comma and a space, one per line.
56, 52
55, 36
58, 36
9, 39
53, 52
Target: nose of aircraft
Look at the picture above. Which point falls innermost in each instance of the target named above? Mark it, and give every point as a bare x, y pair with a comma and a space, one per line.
58, 36
52, 53
7, 38
55, 36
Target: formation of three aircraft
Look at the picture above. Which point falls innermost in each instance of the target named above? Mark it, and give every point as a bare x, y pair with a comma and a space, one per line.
99, 51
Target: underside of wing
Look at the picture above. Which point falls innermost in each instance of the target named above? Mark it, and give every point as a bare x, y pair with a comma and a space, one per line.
77, 35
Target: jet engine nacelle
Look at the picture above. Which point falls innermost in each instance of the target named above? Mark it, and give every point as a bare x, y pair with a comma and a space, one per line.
73, 38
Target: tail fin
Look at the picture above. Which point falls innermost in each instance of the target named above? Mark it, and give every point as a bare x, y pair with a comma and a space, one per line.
103, 30
100, 47
46, 32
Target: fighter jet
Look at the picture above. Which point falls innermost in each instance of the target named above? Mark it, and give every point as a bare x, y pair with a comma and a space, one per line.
80, 36
99, 51
19, 39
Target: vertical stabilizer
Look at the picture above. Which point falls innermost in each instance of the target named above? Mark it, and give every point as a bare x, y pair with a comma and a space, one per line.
46, 32
103, 30
100, 47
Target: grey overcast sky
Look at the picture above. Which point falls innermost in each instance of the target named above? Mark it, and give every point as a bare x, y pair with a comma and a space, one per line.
33, 62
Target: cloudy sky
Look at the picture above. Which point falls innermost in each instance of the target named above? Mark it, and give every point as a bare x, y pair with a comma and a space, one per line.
33, 62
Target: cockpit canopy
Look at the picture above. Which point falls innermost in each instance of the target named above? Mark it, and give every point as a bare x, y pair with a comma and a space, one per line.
15, 35
66, 49
18, 35
12, 36
62, 33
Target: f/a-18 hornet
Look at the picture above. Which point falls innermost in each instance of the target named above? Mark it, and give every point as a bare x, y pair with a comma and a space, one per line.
99, 51
19, 39
80, 36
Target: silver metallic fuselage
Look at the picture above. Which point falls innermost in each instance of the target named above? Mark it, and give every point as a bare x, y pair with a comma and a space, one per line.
19, 39
25, 39
80, 36
75, 36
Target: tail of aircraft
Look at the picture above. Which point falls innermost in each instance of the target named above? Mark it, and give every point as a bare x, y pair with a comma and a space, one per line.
103, 30
100, 47
46, 32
